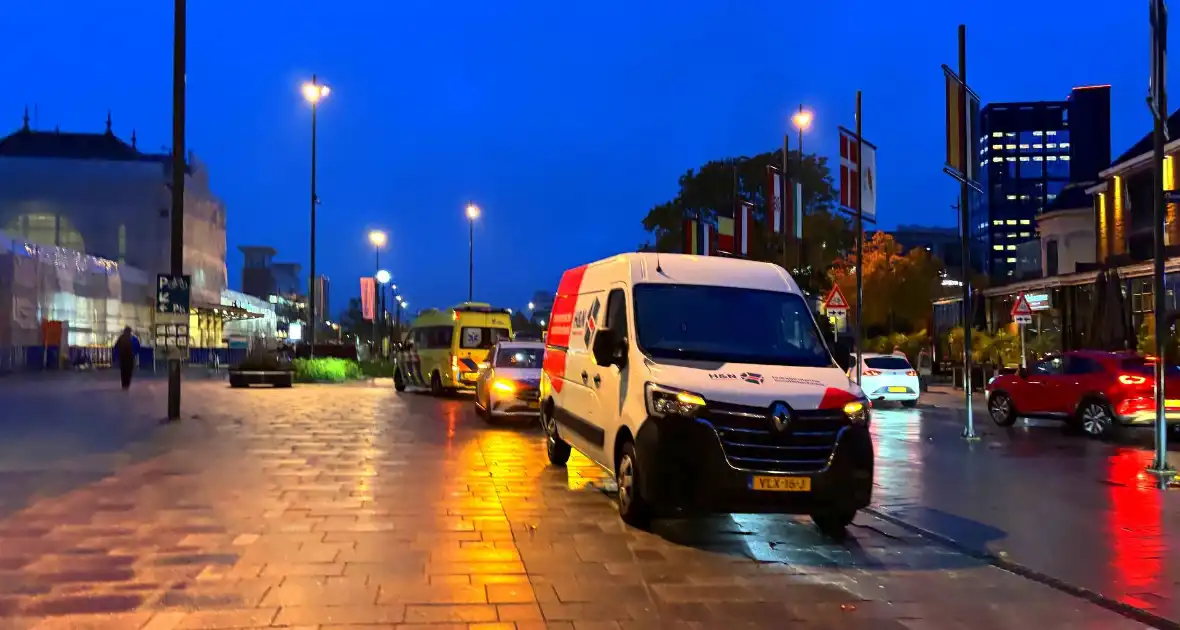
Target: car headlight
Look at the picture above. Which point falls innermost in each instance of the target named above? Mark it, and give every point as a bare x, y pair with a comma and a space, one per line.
504, 386
665, 401
857, 412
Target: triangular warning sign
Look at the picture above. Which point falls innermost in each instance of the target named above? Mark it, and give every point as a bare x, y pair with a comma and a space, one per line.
835, 300
1021, 307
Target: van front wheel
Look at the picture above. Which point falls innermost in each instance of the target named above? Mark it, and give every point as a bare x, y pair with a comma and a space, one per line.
436, 388
633, 508
399, 382
556, 448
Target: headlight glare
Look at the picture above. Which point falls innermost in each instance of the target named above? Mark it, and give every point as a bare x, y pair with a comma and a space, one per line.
504, 386
667, 401
857, 411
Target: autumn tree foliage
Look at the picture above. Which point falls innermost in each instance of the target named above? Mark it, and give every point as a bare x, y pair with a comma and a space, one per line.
898, 288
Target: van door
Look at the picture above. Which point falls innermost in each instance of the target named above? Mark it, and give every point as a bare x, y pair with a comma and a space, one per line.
577, 414
608, 384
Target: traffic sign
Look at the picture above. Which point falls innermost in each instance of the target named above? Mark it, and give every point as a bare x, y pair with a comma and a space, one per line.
173, 294
1021, 311
835, 300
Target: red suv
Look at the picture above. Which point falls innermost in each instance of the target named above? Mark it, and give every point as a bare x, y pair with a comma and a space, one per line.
1096, 391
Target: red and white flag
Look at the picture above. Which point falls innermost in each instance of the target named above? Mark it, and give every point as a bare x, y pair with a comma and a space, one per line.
743, 221
368, 298
858, 191
774, 200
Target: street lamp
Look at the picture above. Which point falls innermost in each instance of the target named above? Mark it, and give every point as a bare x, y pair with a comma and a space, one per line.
472, 215
802, 121
383, 277
378, 239
531, 306
313, 93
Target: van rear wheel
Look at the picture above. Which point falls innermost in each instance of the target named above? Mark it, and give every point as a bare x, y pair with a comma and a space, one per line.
399, 381
556, 448
436, 388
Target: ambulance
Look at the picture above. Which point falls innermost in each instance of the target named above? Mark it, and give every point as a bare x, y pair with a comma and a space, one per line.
445, 350
704, 386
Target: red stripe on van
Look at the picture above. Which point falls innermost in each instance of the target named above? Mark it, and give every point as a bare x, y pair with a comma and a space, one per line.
836, 398
563, 307
557, 339
554, 366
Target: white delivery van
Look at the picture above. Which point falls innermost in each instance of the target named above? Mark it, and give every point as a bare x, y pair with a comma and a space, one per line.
704, 386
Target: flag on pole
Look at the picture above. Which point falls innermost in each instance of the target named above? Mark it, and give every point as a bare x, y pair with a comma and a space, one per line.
774, 201
698, 237
858, 175
742, 222
368, 298
725, 236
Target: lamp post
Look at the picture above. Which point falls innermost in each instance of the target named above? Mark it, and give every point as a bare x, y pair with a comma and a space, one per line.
472, 215
313, 92
176, 267
378, 239
383, 278
802, 121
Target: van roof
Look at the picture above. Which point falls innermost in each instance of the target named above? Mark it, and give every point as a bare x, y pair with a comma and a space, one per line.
705, 270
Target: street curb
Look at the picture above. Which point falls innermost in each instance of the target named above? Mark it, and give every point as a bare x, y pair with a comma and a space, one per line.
1140, 615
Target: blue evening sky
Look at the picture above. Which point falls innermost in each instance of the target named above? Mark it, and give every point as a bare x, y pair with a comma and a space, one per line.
565, 122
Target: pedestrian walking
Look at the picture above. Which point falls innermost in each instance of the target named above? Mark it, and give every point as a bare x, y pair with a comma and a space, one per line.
126, 351
925, 370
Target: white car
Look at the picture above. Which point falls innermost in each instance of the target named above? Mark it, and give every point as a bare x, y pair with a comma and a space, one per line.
703, 384
509, 385
888, 378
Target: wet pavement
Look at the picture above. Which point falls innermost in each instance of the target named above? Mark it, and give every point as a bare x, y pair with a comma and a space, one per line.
353, 507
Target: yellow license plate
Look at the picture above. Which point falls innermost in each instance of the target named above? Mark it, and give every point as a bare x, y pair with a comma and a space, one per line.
900, 390
471, 377
781, 484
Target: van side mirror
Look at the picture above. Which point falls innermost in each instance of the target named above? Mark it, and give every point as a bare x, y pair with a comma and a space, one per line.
609, 349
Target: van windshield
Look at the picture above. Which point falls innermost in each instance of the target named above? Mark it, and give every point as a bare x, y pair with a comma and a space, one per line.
726, 324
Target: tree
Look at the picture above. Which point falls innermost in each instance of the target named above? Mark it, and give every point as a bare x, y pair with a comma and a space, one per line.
897, 288
715, 190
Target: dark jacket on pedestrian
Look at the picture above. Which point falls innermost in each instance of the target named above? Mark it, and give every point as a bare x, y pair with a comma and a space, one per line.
125, 348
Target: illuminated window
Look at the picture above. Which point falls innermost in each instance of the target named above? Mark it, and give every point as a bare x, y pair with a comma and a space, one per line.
1010, 134
997, 147
1013, 221
1050, 145
1064, 145
1024, 222
1011, 234
1038, 146
998, 247
1010, 147
996, 134
997, 159
1024, 146
1064, 157
1024, 158
1011, 247
1038, 133
1012, 159
1037, 158
983, 164
1025, 234
1051, 158
997, 222
47, 229
1011, 196
1011, 260
1050, 133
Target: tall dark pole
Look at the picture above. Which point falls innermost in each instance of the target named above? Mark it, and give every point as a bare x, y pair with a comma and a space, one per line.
312, 291
376, 287
176, 249
964, 221
798, 192
1159, 106
398, 321
860, 238
785, 182
470, 257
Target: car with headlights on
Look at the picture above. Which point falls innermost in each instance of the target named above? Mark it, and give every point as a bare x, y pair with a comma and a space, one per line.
508, 386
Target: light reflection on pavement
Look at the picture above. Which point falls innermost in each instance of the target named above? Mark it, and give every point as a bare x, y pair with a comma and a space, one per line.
344, 505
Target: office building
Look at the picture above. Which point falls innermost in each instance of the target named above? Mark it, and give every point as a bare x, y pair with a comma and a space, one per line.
1029, 153
280, 283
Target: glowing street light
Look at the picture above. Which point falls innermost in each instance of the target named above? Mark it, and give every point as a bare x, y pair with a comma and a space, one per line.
531, 306
377, 238
802, 119
472, 215
384, 276
313, 92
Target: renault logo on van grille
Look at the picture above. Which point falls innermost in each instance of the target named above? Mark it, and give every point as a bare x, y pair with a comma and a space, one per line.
780, 416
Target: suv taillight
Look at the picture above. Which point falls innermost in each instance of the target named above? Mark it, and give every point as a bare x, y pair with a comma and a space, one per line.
911, 373
871, 373
1132, 379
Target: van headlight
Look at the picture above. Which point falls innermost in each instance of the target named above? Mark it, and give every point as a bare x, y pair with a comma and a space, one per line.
666, 401
857, 412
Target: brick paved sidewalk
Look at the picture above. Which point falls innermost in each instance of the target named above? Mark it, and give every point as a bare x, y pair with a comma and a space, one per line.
351, 507
1077, 510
